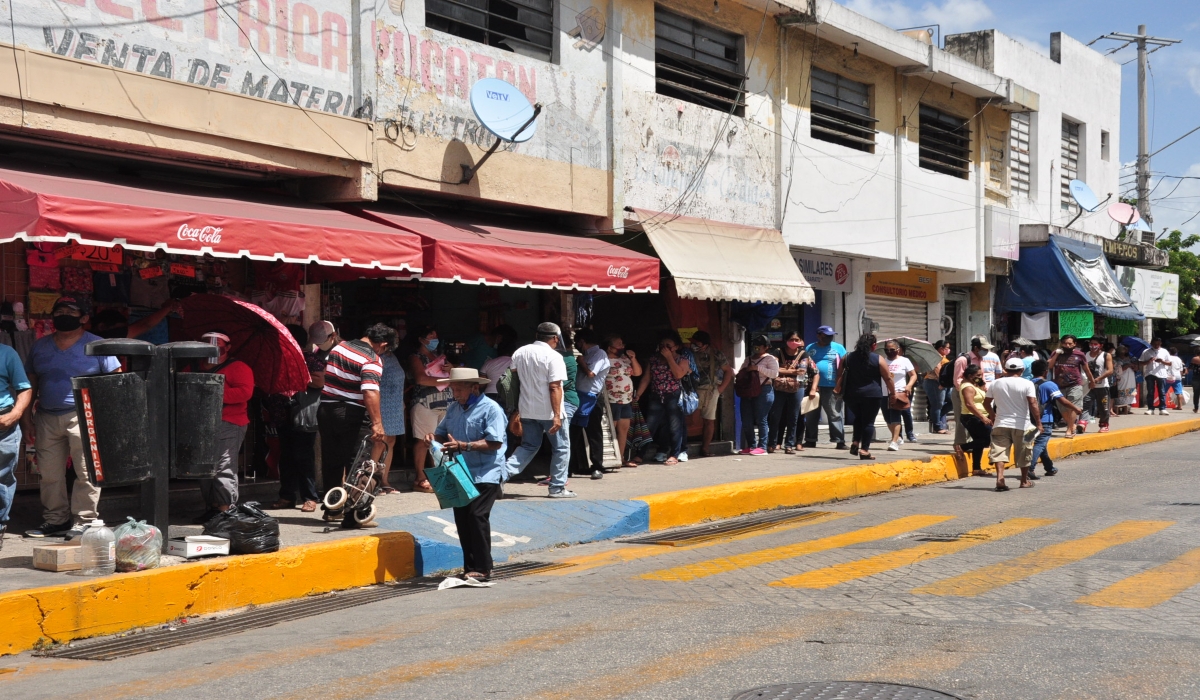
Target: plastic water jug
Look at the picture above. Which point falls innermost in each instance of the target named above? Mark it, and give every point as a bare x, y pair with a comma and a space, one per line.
99, 550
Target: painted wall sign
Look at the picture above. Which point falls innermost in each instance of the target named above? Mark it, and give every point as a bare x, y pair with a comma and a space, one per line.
1135, 253
915, 284
1154, 293
826, 273
294, 52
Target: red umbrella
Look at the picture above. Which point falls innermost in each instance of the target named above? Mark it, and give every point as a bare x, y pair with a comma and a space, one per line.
256, 338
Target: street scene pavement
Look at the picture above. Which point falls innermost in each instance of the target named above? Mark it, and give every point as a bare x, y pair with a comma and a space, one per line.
1081, 587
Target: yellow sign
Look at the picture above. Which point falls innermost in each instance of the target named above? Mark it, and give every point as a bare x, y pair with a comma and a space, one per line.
916, 284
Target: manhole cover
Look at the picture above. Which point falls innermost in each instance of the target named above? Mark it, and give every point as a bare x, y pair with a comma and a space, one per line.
843, 690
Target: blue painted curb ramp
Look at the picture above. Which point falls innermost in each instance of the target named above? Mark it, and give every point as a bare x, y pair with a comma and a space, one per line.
521, 526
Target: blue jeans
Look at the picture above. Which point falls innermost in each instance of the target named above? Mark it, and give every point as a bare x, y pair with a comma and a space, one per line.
785, 416
667, 408
10, 449
531, 441
1153, 385
936, 395
831, 405
756, 413
1039, 448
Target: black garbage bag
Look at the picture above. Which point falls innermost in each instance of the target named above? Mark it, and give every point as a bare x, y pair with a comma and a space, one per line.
248, 529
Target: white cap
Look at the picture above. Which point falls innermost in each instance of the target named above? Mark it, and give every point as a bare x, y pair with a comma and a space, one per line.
1014, 363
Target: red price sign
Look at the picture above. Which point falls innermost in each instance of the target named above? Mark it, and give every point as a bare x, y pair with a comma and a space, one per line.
105, 267
150, 272
97, 254
183, 270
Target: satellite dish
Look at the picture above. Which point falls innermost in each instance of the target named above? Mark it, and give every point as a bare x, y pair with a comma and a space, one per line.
503, 110
1141, 225
1123, 213
1084, 196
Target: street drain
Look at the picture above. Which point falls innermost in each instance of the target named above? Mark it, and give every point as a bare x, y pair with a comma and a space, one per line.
257, 618
1183, 504
843, 690
956, 537
726, 528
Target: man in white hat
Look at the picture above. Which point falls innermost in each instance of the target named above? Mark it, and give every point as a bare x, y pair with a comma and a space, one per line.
474, 427
1012, 405
221, 491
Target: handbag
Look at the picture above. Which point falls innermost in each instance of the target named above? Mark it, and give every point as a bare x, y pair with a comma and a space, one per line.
789, 385
746, 383
452, 482
899, 401
689, 401
304, 410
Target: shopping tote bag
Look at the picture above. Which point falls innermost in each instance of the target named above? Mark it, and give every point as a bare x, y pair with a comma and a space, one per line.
452, 482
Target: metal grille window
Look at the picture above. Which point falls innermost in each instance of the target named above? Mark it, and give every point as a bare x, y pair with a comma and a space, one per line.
521, 26
1070, 162
1019, 155
698, 63
841, 111
945, 143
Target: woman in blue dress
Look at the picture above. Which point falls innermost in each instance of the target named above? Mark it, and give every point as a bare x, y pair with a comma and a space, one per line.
391, 408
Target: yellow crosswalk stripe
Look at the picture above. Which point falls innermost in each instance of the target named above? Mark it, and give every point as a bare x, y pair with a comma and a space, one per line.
1152, 587
992, 577
841, 573
627, 553
691, 572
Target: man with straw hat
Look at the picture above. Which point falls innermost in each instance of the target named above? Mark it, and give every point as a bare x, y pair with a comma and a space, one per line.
474, 427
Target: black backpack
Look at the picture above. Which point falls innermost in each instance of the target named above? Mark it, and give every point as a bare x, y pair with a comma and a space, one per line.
946, 373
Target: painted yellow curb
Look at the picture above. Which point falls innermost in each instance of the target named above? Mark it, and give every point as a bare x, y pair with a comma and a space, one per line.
690, 506
127, 601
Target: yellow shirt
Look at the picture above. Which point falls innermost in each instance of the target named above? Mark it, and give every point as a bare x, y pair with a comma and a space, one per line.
979, 397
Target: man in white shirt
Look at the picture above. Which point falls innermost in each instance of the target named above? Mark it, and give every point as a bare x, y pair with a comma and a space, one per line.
587, 423
541, 371
1156, 368
1012, 405
1176, 381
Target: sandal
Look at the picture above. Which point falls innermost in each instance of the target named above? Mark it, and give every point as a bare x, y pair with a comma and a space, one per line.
1001, 487
863, 454
422, 486
1027, 484
670, 461
386, 490
282, 505
309, 507
630, 465
788, 451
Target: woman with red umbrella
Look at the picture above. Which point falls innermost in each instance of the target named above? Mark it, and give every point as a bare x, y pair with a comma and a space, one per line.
221, 491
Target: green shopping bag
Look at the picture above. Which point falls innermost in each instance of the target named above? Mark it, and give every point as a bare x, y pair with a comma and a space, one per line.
452, 482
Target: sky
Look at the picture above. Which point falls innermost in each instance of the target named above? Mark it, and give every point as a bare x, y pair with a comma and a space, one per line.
1174, 88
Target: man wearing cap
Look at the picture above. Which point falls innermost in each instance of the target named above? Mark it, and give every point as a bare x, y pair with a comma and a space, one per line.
981, 354
1073, 375
221, 491
474, 426
542, 373
828, 356
54, 426
1012, 405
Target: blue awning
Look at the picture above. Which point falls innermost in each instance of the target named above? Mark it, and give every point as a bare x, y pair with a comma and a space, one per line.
1065, 275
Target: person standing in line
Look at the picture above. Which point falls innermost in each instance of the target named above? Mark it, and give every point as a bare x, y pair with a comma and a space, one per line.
827, 355
297, 444
1070, 366
221, 491
474, 427
976, 422
935, 393
1101, 365
429, 399
588, 423
861, 380
980, 349
662, 379
350, 404
15, 397
53, 425
756, 411
716, 374
1156, 362
906, 415
791, 386
1048, 394
1012, 404
542, 372
618, 390
1176, 379
903, 376
495, 368
391, 410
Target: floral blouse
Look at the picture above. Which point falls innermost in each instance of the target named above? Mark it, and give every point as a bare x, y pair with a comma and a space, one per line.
618, 384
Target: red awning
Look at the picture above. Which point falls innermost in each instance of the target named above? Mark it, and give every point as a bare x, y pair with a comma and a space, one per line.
49, 208
456, 251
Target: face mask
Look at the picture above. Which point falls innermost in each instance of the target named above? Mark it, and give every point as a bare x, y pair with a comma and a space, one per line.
67, 324
473, 399
431, 345
793, 344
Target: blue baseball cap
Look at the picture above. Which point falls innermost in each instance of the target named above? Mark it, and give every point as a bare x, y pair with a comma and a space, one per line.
826, 330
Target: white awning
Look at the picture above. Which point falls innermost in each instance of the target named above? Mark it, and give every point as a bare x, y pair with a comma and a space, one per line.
726, 262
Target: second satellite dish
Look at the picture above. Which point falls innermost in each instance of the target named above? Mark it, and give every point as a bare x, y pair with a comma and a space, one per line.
503, 110
1123, 213
1084, 197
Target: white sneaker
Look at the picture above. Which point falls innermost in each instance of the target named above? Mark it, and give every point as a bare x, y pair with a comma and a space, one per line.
1150, 412
561, 493
682, 456
1164, 412
900, 440
893, 447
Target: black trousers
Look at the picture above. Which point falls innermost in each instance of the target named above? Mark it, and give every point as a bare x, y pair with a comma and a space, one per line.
342, 429
593, 435
297, 465
474, 523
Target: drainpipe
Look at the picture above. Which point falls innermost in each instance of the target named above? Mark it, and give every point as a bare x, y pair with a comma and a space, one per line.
356, 51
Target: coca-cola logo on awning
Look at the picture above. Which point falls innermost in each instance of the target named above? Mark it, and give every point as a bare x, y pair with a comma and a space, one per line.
203, 234
620, 272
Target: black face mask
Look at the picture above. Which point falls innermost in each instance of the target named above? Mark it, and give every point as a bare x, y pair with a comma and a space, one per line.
66, 324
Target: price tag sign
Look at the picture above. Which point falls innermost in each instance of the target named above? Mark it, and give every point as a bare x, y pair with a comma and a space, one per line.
97, 254
150, 272
64, 252
183, 270
105, 267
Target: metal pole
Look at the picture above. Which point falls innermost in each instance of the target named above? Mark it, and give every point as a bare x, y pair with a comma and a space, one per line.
1143, 158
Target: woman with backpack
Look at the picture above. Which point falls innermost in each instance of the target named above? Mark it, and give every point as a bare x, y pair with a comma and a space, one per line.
795, 370
863, 380
753, 386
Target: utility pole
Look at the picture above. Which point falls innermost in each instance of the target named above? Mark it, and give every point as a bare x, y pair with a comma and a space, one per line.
1143, 157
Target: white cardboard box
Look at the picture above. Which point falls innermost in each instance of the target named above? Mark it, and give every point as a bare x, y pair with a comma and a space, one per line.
58, 557
197, 546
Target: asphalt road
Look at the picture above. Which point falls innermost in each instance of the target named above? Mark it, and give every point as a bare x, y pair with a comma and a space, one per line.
1081, 587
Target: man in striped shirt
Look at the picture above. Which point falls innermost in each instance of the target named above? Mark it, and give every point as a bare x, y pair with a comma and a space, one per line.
350, 403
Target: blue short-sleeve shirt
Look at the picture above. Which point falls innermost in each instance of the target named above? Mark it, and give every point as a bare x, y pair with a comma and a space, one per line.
826, 359
482, 420
12, 376
1048, 393
54, 369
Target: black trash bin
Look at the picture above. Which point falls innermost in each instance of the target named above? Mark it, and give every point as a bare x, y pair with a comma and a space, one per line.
199, 398
115, 426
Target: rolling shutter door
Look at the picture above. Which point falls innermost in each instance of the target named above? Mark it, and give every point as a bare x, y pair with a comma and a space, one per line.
897, 317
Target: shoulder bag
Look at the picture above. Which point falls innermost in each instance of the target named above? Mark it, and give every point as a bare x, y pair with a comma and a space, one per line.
747, 383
